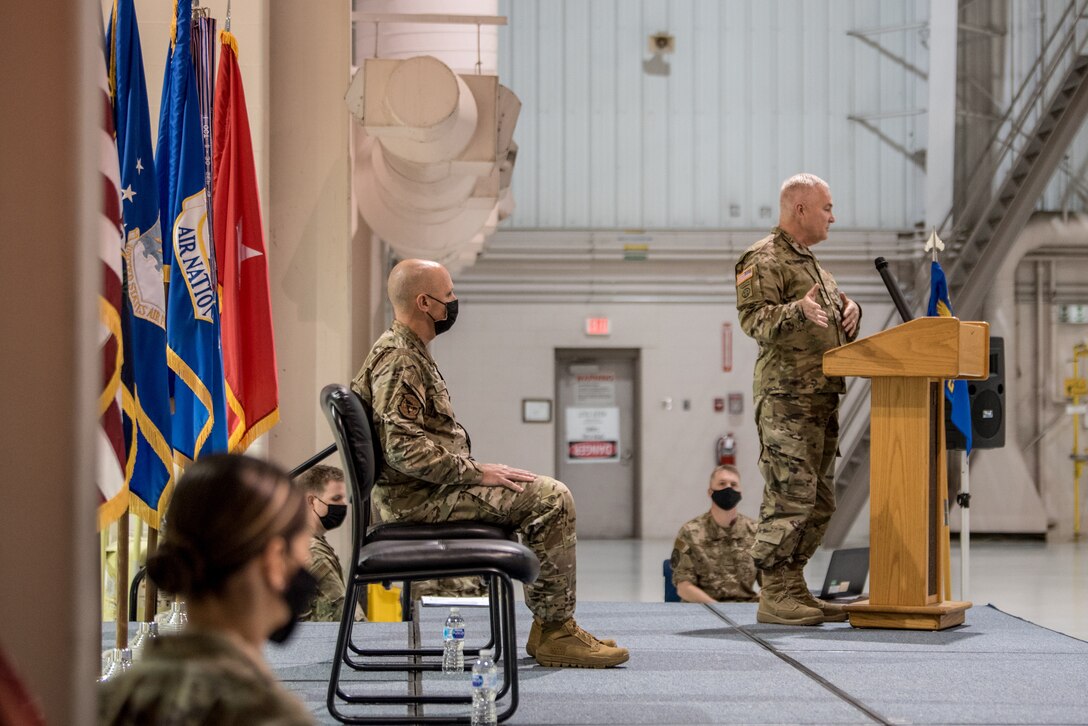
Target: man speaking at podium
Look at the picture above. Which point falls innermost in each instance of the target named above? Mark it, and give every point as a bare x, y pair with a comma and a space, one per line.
792, 307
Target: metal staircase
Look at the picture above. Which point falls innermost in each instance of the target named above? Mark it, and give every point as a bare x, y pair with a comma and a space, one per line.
1027, 148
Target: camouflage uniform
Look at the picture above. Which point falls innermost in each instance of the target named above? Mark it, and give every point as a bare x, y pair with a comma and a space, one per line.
429, 474
196, 678
450, 587
796, 404
716, 559
325, 567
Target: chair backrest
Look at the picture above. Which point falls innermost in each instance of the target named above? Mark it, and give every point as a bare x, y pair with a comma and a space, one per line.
375, 438
351, 428
671, 595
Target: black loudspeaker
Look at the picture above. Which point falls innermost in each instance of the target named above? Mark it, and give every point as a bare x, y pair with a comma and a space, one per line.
987, 406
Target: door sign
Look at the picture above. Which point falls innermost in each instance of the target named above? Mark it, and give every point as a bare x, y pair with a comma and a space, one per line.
595, 389
593, 434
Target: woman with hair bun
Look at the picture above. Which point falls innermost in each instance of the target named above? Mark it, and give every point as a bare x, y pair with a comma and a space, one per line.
235, 549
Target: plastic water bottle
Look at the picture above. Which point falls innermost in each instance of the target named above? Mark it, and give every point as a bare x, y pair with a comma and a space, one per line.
484, 685
115, 662
147, 633
453, 643
177, 619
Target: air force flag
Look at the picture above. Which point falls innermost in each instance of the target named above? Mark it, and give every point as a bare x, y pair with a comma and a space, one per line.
194, 354
144, 375
955, 392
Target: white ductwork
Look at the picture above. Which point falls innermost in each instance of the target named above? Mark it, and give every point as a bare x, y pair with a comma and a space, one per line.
1005, 498
434, 166
453, 44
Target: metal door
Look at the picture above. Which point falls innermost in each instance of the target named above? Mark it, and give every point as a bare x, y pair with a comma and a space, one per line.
597, 438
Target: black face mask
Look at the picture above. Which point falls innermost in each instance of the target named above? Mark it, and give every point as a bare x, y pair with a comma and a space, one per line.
334, 516
725, 498
300, 594
441, 326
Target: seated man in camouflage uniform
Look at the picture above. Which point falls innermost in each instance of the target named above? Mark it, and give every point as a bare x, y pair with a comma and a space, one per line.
326, 502
710, 560
429, 474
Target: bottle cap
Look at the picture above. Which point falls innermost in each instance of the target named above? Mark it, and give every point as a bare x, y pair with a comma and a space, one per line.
485, 653
455, 610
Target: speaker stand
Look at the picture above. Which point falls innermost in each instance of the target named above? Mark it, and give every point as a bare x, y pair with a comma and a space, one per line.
964, 500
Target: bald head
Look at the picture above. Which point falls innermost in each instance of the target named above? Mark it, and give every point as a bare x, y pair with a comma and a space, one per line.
411, 278
421, 291
797, 189
805, 208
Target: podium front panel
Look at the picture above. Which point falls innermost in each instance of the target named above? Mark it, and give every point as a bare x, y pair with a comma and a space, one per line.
901, 492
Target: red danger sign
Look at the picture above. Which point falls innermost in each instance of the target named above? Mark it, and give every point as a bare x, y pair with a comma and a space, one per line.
591, 449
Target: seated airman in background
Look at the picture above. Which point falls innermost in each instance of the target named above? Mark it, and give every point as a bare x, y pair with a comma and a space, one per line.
710, 559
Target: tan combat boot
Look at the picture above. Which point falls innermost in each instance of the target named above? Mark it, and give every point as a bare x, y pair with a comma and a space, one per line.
779, 606
795, 580
534, 639
565, 645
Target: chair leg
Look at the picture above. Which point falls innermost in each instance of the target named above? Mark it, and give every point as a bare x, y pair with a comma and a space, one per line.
496, 611
504, 634
407, 612
510, 663
494, 642
343, 637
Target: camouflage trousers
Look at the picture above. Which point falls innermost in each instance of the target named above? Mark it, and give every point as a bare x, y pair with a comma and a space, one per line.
799, 439
543, 515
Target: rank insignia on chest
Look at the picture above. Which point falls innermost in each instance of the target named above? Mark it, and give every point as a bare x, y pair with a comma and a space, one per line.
744, 282
409, 405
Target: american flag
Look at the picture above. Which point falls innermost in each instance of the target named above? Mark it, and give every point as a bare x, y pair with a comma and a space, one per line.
111, 458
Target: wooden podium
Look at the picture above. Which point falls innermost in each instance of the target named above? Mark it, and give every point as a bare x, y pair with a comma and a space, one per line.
908, 478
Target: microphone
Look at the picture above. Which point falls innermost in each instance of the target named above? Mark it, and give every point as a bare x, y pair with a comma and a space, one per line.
893, 290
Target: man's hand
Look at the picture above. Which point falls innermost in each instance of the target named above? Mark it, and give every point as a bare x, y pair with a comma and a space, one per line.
851, 313
501, 475
810, 306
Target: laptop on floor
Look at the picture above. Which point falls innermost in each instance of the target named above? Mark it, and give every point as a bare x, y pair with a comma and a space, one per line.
846, 574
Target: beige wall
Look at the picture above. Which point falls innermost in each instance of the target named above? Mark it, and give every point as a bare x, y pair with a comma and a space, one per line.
310, 247
500, 353
50, 197
320, 264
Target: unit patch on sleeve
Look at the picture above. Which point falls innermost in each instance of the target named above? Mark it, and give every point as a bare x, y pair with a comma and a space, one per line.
409, 405
744, 283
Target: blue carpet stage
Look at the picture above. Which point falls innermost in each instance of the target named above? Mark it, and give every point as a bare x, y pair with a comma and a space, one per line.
692, 664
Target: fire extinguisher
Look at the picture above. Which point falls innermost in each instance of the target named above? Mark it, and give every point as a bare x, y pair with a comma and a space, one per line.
727, 449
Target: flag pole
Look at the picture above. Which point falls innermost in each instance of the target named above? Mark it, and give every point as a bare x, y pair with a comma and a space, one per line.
934, 246
964, 500
121, 581
151, 593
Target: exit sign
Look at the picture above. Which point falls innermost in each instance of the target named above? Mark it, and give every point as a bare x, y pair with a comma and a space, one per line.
597, 326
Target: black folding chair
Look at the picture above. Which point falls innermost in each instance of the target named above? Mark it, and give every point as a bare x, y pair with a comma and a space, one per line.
430, 555
416, 531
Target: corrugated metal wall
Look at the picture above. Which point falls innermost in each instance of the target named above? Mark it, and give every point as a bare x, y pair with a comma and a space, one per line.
1030, 23
755, 92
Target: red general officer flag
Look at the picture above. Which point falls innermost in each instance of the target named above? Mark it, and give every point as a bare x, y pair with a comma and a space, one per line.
249, 354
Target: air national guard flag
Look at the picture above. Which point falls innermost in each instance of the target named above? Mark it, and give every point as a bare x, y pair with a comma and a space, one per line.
249, 355
144, 374
955, 392
110, 441
199, 424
